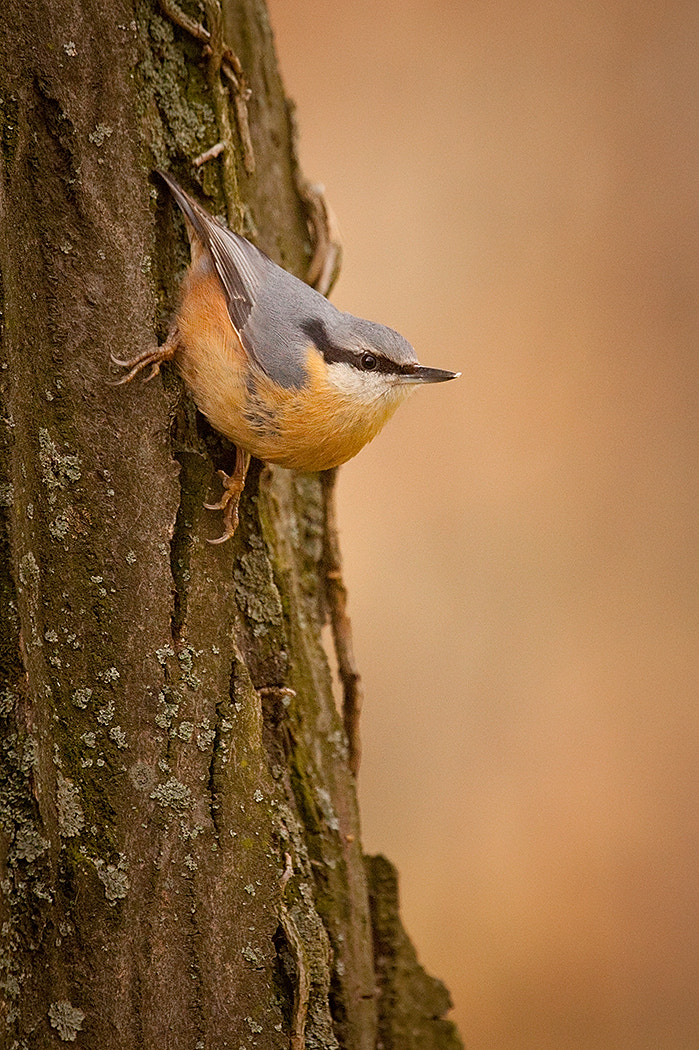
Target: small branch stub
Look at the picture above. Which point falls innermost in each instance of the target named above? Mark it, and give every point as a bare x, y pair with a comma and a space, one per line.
227, 62
209, 154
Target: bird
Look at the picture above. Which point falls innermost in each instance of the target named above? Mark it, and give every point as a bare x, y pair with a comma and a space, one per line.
273, 365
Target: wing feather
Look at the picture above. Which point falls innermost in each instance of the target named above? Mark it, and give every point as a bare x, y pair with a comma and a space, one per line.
241, 267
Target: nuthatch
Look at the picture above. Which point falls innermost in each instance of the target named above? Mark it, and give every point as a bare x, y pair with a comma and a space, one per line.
273, 365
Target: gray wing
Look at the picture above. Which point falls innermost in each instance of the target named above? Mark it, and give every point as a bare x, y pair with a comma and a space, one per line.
267, 306
241, 267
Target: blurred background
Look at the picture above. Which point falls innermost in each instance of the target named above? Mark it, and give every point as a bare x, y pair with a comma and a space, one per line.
517, 188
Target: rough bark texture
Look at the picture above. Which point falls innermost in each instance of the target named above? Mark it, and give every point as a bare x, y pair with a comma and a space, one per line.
179, 842
413, 1004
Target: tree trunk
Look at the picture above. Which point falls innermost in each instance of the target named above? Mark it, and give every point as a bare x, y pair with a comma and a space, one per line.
179, 843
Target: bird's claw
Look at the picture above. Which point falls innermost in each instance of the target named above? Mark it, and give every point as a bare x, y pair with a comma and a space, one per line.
136, 365
233, 485
155, 358
228, 492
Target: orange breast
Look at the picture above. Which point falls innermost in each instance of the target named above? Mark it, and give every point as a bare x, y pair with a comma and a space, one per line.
210, 357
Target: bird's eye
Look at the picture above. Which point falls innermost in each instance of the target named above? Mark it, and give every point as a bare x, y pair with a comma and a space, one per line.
369, 362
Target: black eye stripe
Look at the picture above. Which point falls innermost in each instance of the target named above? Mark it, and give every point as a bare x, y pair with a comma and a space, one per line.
318, 334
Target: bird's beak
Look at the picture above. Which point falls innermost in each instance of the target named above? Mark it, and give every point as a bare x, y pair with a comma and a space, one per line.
423, 374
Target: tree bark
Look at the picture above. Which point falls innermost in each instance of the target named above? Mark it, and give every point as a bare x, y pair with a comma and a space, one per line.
179, 840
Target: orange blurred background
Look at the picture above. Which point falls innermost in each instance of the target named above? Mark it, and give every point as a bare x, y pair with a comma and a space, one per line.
517, 187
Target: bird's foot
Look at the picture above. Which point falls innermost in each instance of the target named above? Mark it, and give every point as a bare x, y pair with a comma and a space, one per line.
154, 358
233, 485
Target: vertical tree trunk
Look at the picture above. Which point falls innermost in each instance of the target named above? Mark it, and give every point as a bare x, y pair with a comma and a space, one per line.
179, 840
